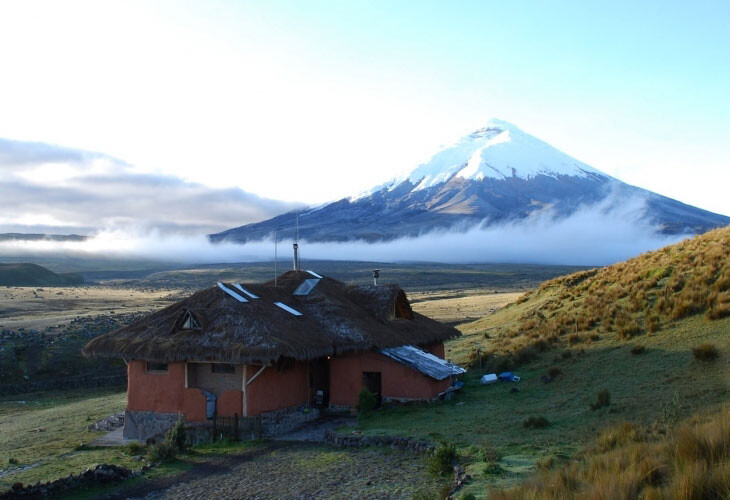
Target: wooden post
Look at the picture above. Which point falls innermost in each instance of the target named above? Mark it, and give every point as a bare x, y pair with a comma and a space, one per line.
245, 392
479, 354
235, 426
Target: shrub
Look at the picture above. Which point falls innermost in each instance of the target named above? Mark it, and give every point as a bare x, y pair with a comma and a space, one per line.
492, 469
175, 435
595, 337
161, 452
12, 460
705, 352
566, 354
441, 462
536, 423
638, 349
554, 371
135, 449
489, 454
603, 398
366, 401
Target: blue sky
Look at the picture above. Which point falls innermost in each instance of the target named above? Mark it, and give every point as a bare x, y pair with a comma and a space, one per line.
311, 101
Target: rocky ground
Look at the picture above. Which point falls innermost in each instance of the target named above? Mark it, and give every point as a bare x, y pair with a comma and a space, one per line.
297, 470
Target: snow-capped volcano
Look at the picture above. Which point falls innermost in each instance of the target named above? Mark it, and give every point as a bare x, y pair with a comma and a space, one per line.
494, 174
497, 151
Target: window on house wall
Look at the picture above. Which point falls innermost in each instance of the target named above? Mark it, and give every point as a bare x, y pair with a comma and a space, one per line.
402, 307
222, 368
153, 366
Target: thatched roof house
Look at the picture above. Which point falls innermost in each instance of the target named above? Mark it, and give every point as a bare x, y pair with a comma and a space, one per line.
321, 339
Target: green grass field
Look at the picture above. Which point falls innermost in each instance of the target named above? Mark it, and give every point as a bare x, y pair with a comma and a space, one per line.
643, 387
42, 433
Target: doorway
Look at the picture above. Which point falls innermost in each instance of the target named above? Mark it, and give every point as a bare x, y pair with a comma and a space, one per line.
372, 381
319, 382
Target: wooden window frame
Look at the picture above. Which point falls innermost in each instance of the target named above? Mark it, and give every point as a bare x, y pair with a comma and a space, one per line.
153, 371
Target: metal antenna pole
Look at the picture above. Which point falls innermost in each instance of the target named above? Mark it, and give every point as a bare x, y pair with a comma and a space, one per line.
275, 258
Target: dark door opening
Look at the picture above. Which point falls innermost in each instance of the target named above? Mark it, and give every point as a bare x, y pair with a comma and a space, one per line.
319, 382
372, 382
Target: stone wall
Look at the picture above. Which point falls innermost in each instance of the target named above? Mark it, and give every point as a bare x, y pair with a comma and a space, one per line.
279, 422
99, 475
143, 425
402, 443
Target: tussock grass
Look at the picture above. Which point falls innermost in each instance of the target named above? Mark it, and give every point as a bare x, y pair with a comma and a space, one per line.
628, 462
603, 399
705, 352
628, 299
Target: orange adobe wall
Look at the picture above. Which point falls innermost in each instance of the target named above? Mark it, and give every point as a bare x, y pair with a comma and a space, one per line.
436, 349
398, 381
274, 389
161, 392
229, 403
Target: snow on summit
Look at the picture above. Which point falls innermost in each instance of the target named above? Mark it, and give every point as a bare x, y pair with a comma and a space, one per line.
499, 150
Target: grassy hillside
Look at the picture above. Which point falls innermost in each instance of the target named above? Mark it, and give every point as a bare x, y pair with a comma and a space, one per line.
24, 274
645, 295
644, 342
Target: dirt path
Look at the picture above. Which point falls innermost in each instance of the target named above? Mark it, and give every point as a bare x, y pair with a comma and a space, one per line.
294, 470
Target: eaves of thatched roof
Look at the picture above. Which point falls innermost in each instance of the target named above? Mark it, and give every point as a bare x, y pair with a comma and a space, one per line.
336, 318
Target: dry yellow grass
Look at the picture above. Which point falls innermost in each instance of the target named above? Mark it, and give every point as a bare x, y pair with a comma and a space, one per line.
692, 461
460, 306
631, 298
39, 308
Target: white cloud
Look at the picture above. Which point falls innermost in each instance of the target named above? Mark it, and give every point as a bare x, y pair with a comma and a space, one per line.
49, 188
597, 235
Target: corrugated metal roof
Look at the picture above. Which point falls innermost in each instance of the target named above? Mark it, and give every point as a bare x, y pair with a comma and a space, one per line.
238, 285
231, 292
306, 287
288, 309
423, 361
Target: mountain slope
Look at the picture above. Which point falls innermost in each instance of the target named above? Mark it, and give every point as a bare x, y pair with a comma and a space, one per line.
34, 275
497, 173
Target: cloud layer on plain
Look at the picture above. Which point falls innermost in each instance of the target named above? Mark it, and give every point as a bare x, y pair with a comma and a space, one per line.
599, 234
53, 189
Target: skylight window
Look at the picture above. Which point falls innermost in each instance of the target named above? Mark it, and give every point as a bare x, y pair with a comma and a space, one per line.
231, 292
251, 295
305, 287
288, 309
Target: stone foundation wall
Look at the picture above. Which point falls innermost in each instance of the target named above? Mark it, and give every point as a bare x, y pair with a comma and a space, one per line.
286, 420
143, 425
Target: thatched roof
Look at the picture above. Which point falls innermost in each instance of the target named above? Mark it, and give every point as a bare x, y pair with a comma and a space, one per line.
336, 318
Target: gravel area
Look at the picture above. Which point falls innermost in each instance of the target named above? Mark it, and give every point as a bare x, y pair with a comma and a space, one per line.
286, 470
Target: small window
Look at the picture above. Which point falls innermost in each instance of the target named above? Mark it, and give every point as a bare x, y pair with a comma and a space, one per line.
222, 368
190, 322
156, 367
